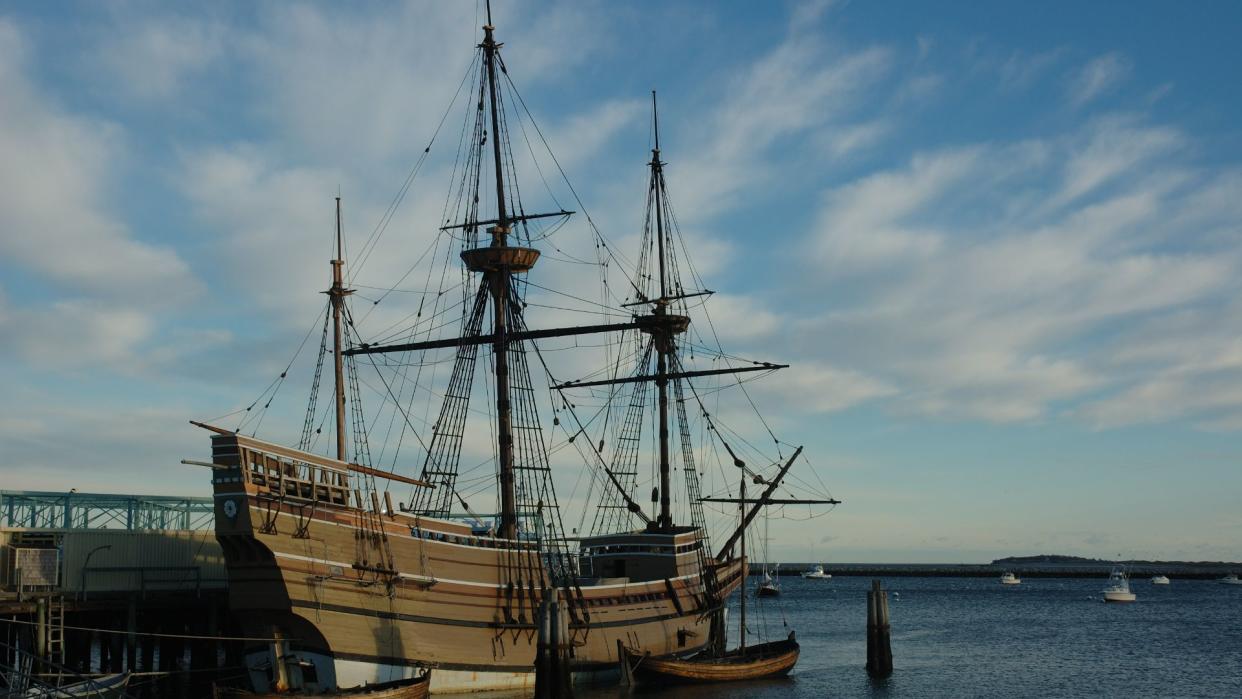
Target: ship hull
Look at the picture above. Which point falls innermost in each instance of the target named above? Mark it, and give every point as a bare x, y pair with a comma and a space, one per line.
369, 595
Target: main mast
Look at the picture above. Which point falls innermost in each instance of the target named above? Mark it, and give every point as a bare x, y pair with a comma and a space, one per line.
496, 264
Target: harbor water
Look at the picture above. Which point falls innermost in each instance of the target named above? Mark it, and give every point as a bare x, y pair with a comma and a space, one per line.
967, 637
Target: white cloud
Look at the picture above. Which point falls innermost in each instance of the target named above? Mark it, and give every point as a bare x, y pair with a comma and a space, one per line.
152, 59
70, 334
820, 388
988, 267
1021, 69
865, 222
1099, 76
796, 90
58, 210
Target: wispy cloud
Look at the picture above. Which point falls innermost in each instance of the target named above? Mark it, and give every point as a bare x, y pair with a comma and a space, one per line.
155, 58
980, 293
57, 208
1097, 77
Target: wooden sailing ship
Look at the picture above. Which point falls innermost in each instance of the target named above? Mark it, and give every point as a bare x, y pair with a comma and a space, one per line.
354, 591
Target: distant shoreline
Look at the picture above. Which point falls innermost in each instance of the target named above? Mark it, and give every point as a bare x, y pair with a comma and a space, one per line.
1093, 569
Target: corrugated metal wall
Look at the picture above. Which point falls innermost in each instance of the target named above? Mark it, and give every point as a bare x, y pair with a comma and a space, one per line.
140, 560
165, 560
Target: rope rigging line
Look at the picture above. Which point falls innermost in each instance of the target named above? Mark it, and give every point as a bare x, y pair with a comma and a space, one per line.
373, 239
273, 388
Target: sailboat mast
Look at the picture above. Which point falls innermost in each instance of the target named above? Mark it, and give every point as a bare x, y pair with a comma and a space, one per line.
664, 345
741, 506
337, 295
499, 282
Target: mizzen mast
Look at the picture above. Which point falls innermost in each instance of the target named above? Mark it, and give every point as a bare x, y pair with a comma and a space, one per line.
663, 336
664, 326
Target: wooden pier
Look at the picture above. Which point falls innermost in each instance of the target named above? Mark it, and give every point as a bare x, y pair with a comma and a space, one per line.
93, 584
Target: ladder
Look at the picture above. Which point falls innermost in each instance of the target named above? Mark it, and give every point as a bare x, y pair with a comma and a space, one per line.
56, 629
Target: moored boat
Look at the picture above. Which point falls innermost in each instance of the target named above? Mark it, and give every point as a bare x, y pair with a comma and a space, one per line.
769, 587
1231, 579
763, 661
1159, 580
746, 662
816, 573
1118, 587
1008, 578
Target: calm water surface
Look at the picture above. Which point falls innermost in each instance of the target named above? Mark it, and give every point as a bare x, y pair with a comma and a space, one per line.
956, 637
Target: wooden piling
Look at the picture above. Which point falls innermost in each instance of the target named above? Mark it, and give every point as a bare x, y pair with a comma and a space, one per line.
131, 635
553, 679
41, 635
116, 652
879, 650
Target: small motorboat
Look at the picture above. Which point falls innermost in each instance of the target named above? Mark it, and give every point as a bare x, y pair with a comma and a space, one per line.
1159, 580
763, 661
1118, 587
107, 686
1010, 579
1231, 579
816, 573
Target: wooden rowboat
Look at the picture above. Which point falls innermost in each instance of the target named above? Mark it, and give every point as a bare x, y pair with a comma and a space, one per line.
763, 661
414, 688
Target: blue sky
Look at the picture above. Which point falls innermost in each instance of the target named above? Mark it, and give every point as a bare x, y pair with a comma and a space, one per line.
1001, 243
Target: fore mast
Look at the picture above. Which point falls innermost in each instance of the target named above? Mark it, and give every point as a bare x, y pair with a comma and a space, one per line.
337, 294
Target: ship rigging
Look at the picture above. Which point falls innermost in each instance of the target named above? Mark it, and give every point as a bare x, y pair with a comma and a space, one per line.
397, 588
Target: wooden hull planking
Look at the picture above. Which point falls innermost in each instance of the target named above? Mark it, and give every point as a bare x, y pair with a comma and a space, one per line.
393, 589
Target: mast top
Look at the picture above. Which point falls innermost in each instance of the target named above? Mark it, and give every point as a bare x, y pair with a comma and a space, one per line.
655, 121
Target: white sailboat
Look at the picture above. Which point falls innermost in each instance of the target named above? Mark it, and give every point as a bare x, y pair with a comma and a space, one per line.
1118, 587
769, 587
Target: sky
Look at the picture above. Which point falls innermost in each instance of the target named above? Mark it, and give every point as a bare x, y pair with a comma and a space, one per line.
999, 243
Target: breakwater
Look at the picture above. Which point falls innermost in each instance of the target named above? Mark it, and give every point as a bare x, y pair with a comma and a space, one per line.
1191, 571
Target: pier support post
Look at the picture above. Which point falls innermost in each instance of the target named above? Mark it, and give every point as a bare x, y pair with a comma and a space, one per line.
552, 674
41, 646
148, 653
100, 640
116, 652
879, 651
131, 638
